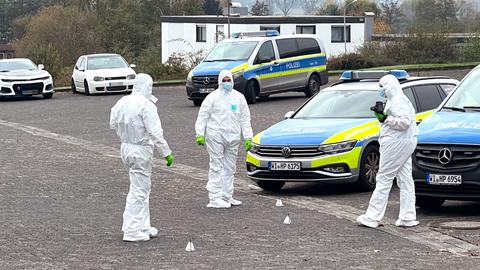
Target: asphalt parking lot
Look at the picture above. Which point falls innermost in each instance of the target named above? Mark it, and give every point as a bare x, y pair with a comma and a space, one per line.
63, 189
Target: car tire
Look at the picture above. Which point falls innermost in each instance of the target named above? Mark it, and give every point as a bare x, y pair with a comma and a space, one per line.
369, 165
74, 88
429, 203
47, 95
270, 185
197, 102
251, 92
313, 85
87, 91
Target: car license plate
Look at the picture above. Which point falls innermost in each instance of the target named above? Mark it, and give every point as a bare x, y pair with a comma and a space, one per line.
206, 90
441, 179
29, 92
284, 166
116, 84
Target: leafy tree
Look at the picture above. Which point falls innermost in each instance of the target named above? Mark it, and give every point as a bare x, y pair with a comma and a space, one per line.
212, 7
391, 14
260, 8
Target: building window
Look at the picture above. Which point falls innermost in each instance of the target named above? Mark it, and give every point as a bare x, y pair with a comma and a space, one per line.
306, 29
337, 33
2, 56
270, 27
220, 32
201, 33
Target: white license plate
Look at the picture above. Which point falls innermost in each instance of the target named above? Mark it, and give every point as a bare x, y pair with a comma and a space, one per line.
441, 179
284, 166
206, 90
29, 92
116, 84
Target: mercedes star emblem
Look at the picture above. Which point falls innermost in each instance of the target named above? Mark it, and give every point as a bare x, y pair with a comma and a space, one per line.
445, 156
206, 80
286, 152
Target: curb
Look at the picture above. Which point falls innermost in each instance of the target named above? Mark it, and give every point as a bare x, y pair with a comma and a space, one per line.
159, 83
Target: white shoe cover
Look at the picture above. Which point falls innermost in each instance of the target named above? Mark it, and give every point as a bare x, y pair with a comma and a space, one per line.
152, 233
137, 237
219, 203
233, 202
406, 223
365, 221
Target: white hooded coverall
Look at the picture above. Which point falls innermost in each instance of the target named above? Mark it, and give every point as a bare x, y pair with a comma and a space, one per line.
397, 143
136, 122
223, 117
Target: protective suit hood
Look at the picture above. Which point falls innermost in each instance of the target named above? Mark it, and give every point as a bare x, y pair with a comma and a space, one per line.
143, 86
391, 85
223, 74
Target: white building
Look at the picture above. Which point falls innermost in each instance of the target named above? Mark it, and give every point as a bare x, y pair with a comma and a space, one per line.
193, 33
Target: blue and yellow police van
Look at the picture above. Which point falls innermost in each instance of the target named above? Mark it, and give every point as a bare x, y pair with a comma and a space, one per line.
262, 63
333, 137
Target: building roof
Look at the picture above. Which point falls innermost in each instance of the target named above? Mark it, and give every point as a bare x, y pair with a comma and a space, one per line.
263, 19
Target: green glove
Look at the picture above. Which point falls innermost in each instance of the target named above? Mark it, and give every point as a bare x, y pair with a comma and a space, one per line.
169, 159
248, 144
381, 117
201, 140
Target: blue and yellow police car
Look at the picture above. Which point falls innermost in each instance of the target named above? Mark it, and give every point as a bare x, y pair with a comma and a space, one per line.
333, 137
262, 63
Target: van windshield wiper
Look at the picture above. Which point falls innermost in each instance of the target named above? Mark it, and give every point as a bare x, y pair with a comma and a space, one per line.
454, 109
473, 108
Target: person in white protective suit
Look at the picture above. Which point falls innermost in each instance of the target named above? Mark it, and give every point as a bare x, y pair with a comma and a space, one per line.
136, 122
397, 142
223, 117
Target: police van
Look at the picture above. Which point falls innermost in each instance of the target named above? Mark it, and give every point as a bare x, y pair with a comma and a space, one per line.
262, 63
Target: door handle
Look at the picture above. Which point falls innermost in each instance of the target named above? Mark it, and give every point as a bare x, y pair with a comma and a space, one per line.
276, 63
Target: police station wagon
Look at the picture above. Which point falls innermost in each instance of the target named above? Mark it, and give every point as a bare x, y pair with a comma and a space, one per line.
333, 137
262, 63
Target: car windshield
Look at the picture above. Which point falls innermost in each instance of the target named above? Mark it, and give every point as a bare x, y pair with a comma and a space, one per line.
467, 95
106, 62
340, 104
232, 51
6, 66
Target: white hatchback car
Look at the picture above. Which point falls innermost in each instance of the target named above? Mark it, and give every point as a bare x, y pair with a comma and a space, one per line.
102, 73
21, 77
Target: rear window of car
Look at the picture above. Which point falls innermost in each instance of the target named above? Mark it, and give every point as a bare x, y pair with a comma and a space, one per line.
308, 46
287, 47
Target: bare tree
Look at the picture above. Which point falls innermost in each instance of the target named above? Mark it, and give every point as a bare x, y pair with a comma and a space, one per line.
285, 5
310, 6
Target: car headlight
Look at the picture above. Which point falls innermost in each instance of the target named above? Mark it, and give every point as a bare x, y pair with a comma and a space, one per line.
98, 78
190, 76
131, 77
237, 74
335, 148
255, 148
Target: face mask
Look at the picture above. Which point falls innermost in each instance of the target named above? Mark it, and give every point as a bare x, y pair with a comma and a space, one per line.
227, 85
381, 92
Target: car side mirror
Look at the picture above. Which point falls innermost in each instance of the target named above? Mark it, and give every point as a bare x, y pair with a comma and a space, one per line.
133, 65
41, 67
289, 114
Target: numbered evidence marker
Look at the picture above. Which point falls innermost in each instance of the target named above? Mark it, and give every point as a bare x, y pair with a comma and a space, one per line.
190, 246
279, 203
287, 220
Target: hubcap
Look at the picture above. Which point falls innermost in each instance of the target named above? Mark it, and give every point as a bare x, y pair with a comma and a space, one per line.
314, 86
371, 167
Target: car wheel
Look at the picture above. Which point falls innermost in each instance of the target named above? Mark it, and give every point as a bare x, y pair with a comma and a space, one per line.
197, 102
429, 203
271, 185
47, 95
87, 91
251, 92
313, 85
369, 165
74, 88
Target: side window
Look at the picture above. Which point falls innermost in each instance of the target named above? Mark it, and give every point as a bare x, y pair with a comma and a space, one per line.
308, 46
79, 63
265, 51
83, 63
409, 93
287, 47
428, 97
447, 88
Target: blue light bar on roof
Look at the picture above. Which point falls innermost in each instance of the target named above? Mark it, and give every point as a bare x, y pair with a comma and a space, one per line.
268, 33
351, 75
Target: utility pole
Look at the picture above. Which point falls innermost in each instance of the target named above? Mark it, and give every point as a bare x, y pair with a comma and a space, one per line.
228, 18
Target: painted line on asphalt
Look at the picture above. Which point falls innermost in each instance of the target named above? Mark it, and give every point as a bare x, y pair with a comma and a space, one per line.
422, 235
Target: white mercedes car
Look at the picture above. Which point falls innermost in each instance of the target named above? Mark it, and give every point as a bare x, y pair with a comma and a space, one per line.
21, 77
102, 73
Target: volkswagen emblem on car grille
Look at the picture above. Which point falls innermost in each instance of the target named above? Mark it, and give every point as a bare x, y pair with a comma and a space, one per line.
445, 156
286, 152
206, 80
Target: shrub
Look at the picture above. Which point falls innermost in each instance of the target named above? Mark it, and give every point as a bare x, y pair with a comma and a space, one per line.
349, 61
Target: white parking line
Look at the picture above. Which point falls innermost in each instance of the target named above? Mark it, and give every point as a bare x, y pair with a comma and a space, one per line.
422, 234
